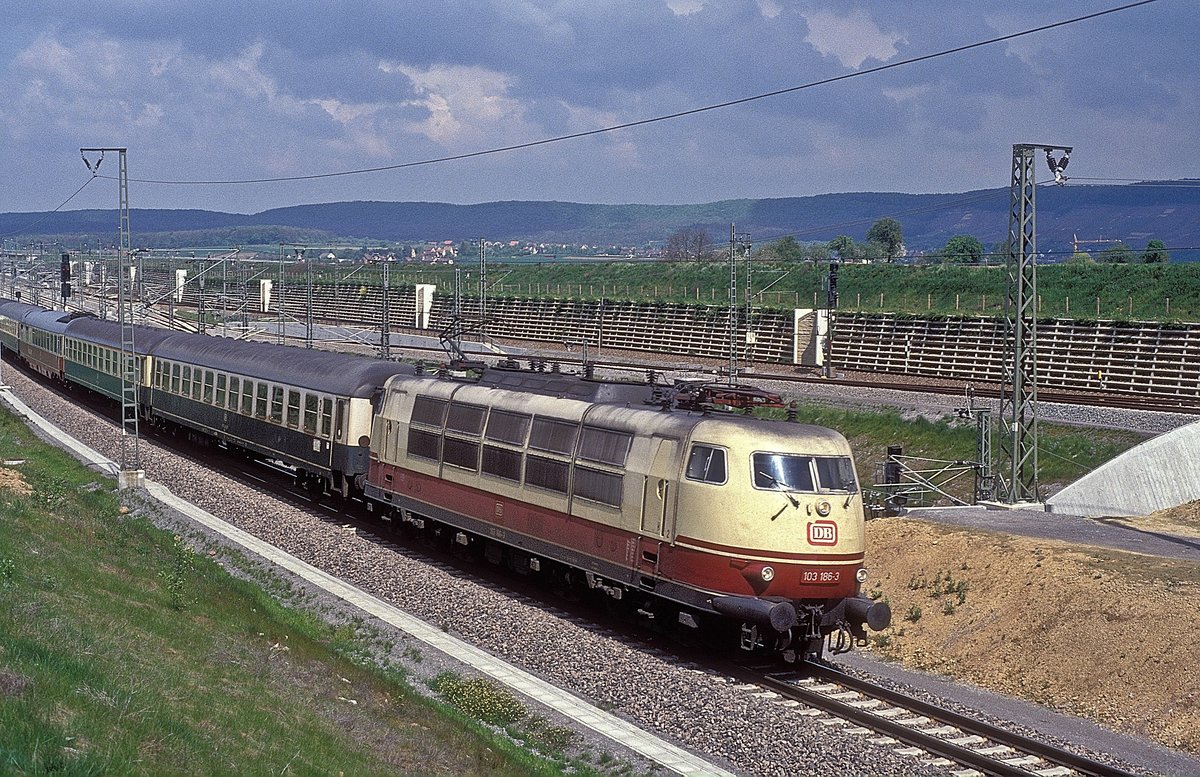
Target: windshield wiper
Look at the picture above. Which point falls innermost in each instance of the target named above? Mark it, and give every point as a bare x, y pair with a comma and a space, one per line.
781, 488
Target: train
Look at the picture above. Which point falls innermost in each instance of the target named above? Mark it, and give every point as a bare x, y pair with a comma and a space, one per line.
642, 495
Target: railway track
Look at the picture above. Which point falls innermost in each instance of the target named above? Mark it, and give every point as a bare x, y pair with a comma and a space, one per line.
977, 747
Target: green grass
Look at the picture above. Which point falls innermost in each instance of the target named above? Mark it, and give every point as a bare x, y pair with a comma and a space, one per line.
122, 651
1097, 291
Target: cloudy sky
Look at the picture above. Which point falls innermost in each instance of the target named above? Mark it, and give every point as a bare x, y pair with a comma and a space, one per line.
212, 90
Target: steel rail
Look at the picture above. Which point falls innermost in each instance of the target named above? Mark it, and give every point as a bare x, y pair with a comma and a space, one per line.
988, 764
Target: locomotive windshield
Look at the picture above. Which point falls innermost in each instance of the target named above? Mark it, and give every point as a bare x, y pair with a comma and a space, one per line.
779, 471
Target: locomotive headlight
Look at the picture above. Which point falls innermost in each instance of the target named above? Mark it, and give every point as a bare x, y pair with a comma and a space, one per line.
768, 574
822, 508
861, 575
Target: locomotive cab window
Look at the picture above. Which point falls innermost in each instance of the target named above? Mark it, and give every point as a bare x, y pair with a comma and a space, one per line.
706, 464
782, 472
836, 473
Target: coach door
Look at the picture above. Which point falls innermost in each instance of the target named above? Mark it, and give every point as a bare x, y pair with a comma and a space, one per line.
656, 494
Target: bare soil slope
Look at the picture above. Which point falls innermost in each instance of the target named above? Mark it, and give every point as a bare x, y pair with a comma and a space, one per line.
1105, 634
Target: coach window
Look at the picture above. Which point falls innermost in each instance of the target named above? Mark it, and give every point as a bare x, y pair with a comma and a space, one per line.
247, 397
197, 382
235, 389
185, 387
311, 403
277, 404
208, 387
221, 390
175, 368
326, 417
260, 403
706, 464
293, 409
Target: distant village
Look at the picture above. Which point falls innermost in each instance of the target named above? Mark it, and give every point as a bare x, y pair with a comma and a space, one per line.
450, 251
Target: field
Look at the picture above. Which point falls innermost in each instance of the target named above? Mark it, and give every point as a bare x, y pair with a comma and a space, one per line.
1168, 292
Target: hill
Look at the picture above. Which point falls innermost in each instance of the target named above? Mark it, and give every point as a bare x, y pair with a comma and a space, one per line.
1168, 211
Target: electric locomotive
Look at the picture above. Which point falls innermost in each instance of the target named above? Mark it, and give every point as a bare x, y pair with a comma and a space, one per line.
684, 516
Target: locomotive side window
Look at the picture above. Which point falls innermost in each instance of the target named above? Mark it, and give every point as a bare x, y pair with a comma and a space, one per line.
552, 435
604, 446
706, 464
422, 444
505, 426
461, 453
502, 462
778, 471
429, 411
549, 474
598, 486
465, 418
836, 473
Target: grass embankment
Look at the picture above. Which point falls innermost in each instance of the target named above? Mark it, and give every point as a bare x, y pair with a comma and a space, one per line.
1135, 292
122, 651
1065, 453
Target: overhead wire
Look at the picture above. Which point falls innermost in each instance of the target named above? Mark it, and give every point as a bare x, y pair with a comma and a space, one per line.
661, 118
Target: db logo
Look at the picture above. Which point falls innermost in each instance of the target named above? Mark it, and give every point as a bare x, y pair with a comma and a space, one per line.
822, 533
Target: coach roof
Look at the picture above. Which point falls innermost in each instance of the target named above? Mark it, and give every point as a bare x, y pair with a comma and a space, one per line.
325, 371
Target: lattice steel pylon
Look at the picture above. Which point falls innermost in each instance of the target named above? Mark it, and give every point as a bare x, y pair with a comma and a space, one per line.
131, 474
1018, 398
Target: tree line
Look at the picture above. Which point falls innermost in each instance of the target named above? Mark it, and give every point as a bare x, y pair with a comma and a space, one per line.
885, 243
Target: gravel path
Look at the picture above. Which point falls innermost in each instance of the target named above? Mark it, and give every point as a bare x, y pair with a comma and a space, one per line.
698, 710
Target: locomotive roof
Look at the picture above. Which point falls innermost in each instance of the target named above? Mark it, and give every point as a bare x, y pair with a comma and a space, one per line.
571, 386
328, 371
